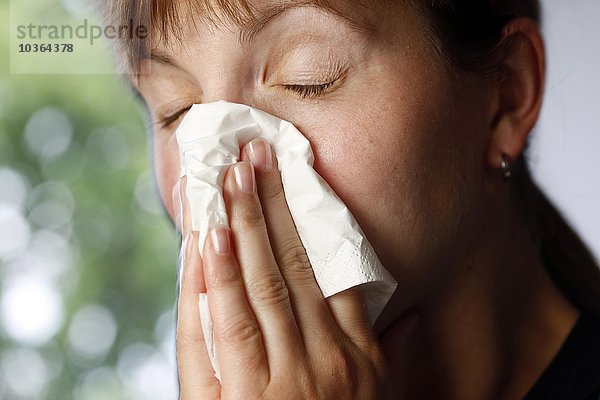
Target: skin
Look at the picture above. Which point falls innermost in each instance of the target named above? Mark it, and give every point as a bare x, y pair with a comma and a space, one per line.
414, 152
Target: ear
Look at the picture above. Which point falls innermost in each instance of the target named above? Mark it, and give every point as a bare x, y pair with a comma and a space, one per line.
519, 93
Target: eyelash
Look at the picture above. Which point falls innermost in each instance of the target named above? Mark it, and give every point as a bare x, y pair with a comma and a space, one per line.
172, 118
310, 91
304, 91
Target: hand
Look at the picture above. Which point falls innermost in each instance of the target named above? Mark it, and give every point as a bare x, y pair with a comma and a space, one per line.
276, 336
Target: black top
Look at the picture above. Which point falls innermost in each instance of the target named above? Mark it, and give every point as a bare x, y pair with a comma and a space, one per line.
574, 374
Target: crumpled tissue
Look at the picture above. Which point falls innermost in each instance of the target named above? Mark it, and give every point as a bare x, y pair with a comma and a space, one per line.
210, 138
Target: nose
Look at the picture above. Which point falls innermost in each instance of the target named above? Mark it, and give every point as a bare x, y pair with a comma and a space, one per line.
226, 71
228, 81
223, 68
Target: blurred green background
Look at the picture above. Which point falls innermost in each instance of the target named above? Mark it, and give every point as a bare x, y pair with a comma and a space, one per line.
88, 260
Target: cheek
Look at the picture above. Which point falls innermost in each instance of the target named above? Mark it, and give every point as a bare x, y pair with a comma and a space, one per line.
391, 158
166, 169
369, 160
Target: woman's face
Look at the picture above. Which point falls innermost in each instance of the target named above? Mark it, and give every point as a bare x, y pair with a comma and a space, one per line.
399, 142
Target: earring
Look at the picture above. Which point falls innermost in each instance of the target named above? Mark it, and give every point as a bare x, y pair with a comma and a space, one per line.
506, 172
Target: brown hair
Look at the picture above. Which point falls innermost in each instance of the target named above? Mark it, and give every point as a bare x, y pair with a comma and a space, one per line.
163, 19
467, 34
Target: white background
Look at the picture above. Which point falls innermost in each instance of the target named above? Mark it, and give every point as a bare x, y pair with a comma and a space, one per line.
565, 152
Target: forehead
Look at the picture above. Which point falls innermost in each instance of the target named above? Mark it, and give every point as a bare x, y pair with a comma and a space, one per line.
167, 19
170, 17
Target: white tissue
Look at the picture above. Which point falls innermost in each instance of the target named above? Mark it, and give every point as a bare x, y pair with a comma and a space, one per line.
210, 137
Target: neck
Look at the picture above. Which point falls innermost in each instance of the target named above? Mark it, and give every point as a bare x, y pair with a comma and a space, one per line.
491, 331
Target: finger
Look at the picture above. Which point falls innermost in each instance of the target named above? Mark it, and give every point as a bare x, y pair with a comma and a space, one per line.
264, 285
306, 298
186, 215
196, 375
183, 218
238, 340
349, 310
177, 206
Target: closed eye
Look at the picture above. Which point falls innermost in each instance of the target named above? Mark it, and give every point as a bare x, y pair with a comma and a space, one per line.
172, 118
305, 91
309, 91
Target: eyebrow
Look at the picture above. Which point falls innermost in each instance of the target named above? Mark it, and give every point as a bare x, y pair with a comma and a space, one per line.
262, 17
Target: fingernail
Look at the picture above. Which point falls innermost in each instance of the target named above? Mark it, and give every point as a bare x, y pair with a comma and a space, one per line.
244, 177
219, 238
259, 151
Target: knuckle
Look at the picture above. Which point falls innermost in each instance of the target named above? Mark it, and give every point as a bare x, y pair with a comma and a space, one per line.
300, 271
273, 192
223, 278
185, 341
293, 258
238, 330
345, 367
249, 216
370, 368
270, 290
304, 385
